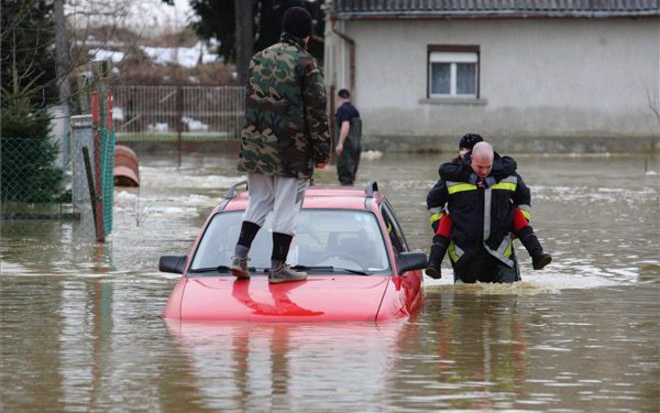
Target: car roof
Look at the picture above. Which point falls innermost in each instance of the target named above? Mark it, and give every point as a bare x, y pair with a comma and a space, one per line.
316, 197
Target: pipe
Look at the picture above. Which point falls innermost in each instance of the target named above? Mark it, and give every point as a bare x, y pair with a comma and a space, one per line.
351, 56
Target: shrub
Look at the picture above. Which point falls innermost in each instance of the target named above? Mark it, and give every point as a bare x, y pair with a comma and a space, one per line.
28, 171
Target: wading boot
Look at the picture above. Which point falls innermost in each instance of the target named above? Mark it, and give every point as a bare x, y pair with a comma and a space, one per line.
438, 250
528, 238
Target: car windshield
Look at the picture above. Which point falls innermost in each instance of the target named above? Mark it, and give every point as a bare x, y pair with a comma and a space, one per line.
341, 241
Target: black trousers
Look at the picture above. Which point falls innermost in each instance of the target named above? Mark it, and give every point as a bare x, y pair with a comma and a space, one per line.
483, 267
348, 162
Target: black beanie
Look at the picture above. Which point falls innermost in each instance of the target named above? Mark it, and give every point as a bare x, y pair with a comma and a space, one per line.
298, 22
469, 140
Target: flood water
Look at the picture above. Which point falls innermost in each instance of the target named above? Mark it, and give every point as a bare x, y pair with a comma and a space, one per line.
81, 325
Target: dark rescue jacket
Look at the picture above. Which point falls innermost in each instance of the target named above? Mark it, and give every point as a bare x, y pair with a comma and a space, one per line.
482, 218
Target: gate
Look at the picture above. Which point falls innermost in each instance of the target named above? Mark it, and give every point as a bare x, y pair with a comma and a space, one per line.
170, 113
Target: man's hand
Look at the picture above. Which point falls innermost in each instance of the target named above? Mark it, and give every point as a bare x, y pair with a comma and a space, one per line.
339, 149
320, 165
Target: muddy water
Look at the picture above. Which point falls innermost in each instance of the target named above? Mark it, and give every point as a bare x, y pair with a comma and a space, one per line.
81, 329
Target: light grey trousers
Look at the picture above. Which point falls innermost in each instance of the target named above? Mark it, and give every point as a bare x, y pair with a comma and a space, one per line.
281, 195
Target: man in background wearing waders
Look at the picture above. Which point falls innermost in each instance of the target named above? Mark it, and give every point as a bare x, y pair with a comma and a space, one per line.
349, 132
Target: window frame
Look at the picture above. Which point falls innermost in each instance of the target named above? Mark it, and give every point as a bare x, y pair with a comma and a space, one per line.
397, 238
466, 50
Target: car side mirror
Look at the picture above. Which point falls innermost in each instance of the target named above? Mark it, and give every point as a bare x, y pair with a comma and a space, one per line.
172, 263
413, 260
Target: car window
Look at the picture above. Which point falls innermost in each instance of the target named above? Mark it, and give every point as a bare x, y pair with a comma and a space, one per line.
394, 231
346, 239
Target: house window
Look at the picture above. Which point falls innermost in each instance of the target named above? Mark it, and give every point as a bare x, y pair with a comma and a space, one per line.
453, 71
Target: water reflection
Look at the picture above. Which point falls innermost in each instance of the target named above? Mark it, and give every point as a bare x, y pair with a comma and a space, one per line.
471, 354
280, 304
285, 367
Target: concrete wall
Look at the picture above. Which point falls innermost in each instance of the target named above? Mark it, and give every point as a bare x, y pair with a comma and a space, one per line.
544, 83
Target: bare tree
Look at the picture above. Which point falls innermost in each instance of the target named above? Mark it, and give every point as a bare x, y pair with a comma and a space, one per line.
244, 38
654, 103
63, 61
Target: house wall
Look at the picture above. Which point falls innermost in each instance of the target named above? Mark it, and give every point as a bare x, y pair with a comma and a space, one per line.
543, 82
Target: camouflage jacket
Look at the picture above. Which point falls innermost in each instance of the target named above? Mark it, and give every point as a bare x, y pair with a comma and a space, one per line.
286, 120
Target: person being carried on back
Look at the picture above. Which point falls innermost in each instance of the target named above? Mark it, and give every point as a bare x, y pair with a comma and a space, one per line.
460, 169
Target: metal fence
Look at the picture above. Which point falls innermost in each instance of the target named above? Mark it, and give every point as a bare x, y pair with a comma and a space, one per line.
33, 186
92, 179
170, 113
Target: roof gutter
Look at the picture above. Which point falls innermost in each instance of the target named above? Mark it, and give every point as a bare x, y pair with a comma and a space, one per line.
493, 15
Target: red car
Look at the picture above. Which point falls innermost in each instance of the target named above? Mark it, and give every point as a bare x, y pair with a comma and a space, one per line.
349, 242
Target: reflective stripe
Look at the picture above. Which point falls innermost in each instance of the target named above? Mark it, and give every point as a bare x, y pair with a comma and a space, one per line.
526, 211
436, 217
454, 251
505, 186
488, 198
460, 187
512, 179
509, 247
503, 251
436, 210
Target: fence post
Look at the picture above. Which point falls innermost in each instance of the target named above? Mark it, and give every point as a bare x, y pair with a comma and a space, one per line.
101, 74
98, 202
179, 122
82, 137
81, 130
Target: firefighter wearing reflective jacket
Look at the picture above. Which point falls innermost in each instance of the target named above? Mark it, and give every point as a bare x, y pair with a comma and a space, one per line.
482, 211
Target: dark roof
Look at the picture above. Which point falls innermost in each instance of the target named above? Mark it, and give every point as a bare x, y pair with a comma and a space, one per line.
378, 9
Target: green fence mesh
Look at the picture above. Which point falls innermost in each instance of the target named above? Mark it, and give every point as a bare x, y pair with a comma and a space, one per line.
32, 186
108, 139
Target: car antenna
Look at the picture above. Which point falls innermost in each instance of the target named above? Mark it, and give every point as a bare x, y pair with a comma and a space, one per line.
231, 193
372, 186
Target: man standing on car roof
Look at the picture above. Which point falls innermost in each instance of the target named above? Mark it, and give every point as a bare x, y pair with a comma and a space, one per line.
285, 137
482, 211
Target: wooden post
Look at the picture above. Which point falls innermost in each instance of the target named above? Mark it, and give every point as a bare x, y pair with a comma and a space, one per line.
90, 186
110, 110
101, 75
97, 201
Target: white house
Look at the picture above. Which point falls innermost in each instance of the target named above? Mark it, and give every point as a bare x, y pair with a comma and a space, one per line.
532, 75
